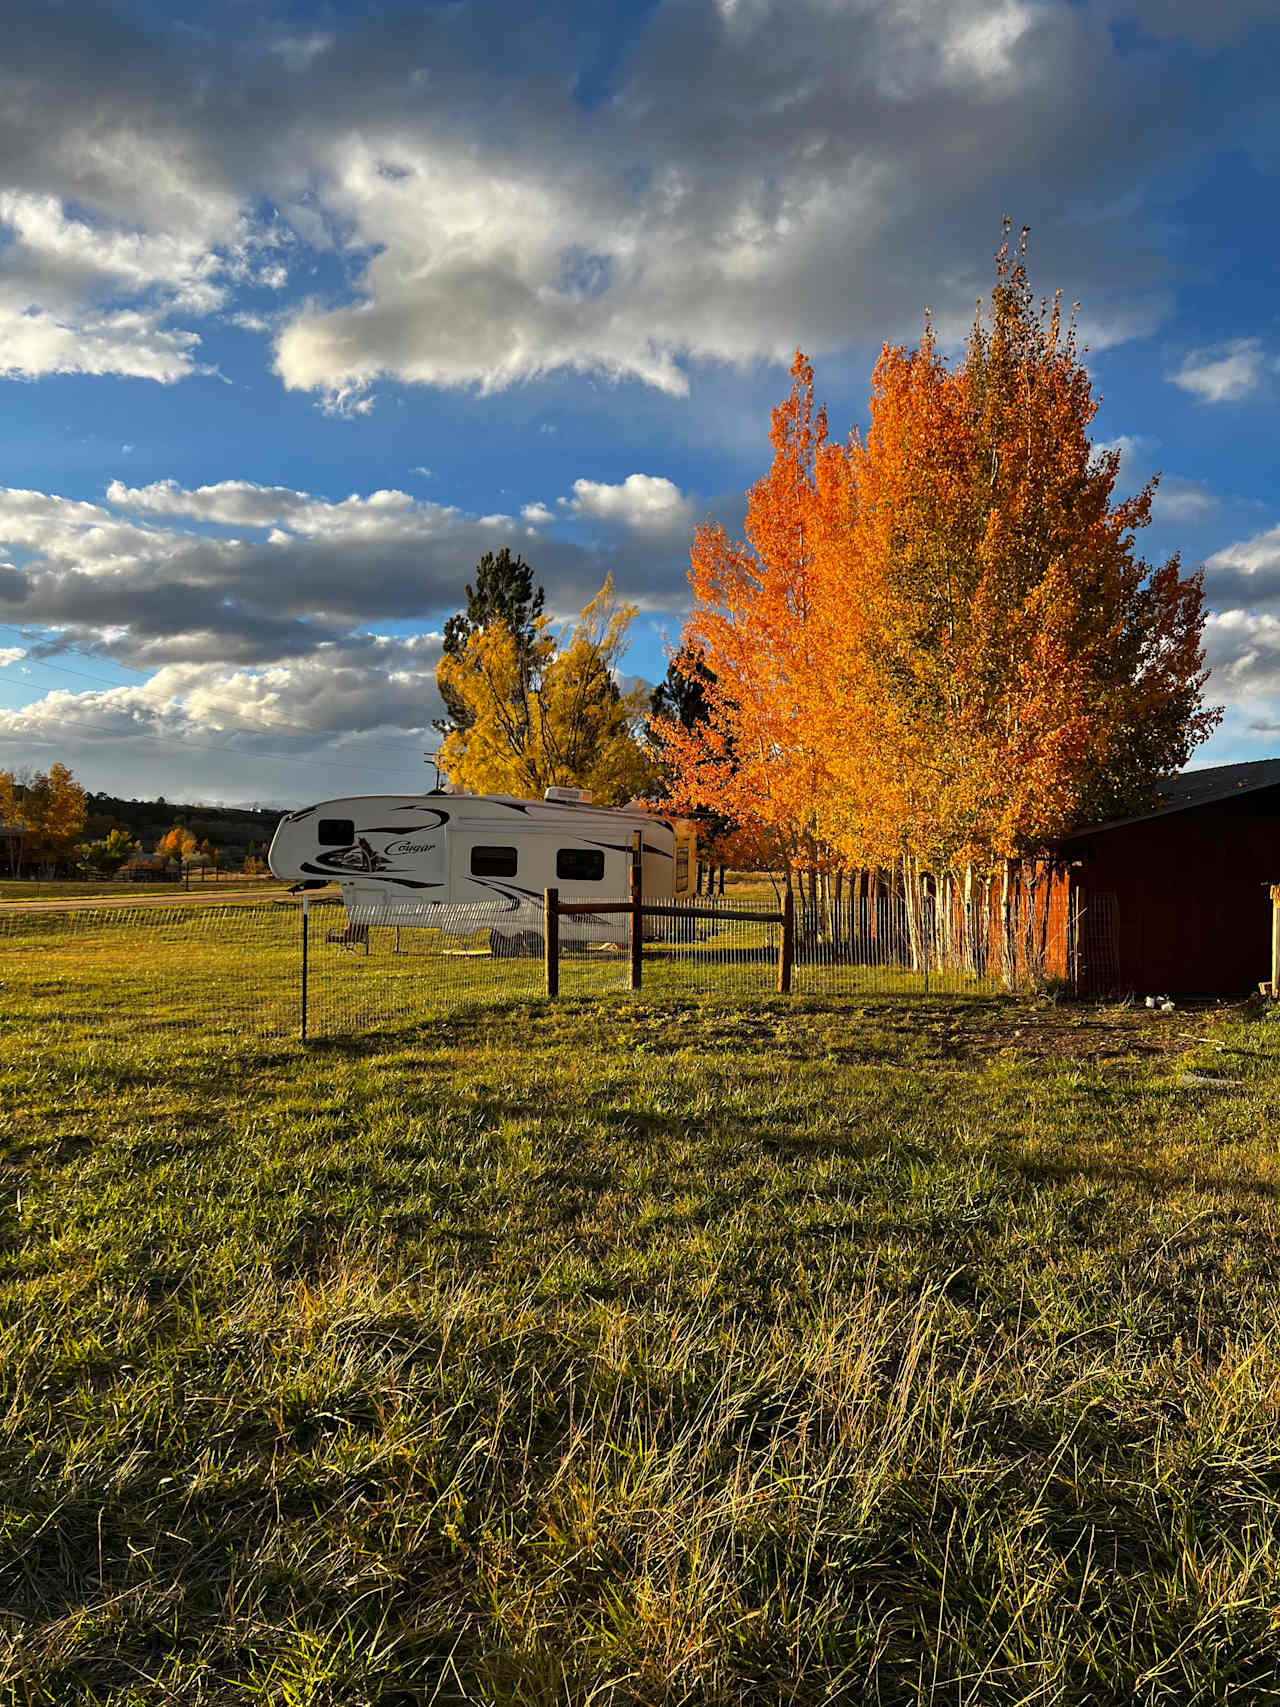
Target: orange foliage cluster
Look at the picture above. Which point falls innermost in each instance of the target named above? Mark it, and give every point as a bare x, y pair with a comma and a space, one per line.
937, 645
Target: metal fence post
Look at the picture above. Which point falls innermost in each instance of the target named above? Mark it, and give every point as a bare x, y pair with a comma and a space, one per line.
787, 946
306, 911
551, 938
637, 910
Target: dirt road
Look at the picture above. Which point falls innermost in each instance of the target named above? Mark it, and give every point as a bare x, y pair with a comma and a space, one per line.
78, 904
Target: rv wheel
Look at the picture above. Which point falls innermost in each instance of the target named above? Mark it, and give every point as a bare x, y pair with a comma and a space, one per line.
502, 946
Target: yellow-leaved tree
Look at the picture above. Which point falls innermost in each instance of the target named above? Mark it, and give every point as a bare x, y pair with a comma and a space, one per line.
547, 712
50, 808
178, 844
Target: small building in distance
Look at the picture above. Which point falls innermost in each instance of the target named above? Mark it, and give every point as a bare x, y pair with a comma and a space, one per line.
1176, 901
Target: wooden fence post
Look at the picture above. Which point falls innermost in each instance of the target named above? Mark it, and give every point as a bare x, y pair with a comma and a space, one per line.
637, 910
787, 946
1275, 939
551, 939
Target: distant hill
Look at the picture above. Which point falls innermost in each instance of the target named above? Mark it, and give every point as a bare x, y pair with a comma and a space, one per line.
235, 829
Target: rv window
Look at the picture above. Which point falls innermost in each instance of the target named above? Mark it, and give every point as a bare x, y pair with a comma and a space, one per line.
493, 862
335, 832
580, 865
682, 867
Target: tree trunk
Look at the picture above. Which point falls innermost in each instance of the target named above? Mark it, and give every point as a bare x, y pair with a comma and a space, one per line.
1052, 875
1031, 886
1007, 944
911, 903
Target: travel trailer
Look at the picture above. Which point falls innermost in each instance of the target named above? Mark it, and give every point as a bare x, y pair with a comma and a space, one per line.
405, 854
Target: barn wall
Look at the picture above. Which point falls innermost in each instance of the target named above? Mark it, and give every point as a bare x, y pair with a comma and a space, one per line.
1179, 903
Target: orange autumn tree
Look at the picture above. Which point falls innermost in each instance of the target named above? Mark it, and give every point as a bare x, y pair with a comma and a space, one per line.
938, 648
1031, 671
757, 626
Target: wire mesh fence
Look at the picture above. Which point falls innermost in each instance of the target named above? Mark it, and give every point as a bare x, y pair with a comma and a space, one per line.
327, 971
371, 968
107, 970
885, 945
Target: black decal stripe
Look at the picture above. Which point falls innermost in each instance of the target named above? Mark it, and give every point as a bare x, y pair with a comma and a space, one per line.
514, 902
345, 877
395, 829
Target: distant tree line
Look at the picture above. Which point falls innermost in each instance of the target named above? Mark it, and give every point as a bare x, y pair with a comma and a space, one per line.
50, 826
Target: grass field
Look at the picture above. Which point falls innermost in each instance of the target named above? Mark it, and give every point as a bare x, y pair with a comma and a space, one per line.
632, 1351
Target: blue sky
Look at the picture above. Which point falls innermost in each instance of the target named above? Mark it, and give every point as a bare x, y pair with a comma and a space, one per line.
303, 308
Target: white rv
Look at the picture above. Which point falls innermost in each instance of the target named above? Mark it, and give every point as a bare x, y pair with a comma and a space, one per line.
402, 853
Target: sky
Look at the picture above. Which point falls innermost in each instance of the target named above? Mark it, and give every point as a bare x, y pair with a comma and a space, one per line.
303, 308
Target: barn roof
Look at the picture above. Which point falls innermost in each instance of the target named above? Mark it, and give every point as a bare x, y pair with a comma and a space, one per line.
1199, 788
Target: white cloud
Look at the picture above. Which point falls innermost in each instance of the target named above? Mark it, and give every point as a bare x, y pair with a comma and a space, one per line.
762, 174
238, 502
1257, 558
643, 503
99, 296
1244, 578
11, 654
486, 259
1242, 649
298, 53
336, 723
370, 683
1132, 448
1183, 502
132, 343
1224, 374
537, 514
74, 252
143, 579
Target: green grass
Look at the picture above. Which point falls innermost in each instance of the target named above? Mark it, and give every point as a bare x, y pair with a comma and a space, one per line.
630, 1351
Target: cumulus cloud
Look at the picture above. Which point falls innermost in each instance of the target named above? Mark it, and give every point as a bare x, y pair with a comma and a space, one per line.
1246, 572
303, 728
762, 173
151, 577
368, 683
643, 503
1242, 649
66, 280
11, 655
639, 242
1224, 374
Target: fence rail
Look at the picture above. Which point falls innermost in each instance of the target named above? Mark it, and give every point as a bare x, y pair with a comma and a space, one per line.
637, 910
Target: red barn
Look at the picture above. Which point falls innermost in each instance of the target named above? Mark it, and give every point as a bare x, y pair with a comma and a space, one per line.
1176, 901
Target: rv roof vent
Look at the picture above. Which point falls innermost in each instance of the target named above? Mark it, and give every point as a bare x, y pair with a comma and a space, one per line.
456, 788
580, 796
